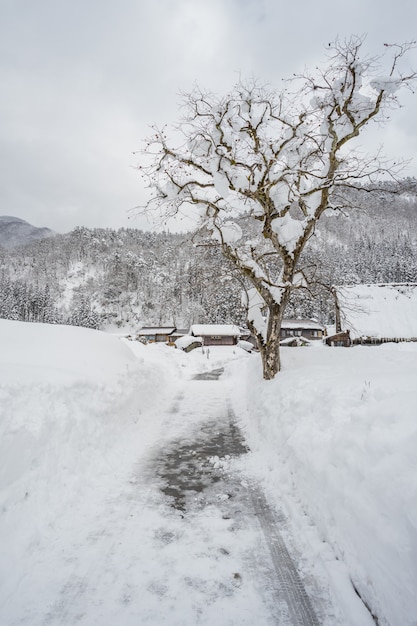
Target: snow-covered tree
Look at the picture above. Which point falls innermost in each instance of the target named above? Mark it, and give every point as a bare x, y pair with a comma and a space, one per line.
260, 168
83, 314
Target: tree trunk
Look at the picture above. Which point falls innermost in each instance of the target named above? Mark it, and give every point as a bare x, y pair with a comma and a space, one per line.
337, 310
270, 349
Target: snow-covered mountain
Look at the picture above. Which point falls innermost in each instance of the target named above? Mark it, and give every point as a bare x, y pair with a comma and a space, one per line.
16, 232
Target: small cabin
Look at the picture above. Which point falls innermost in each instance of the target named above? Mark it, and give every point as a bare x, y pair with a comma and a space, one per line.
156, 334
308, 329
216, 334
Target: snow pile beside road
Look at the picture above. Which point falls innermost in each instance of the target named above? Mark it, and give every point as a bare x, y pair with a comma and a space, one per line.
75, 387
336, 433
47, 353
76, 409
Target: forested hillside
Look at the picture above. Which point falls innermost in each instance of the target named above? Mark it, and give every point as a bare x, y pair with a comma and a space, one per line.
101, 277
122, 279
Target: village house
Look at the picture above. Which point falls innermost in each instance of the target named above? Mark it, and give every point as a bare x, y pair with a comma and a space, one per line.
230, 334
156, 334
216, 334
205, 334
308, 329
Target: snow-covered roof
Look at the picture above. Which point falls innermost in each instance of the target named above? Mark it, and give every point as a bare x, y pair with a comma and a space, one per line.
156, 330
220, 330
387, 311
301, 323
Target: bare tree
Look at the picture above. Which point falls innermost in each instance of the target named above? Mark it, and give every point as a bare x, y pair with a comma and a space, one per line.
259, 168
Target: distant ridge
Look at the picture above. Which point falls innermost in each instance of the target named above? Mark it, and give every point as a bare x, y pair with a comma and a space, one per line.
15, 232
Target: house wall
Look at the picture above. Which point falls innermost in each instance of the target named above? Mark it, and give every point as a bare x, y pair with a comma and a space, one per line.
158, 338
217, 340
162, 338
307, 333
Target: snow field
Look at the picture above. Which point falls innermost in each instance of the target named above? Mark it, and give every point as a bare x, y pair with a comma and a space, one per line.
335, 436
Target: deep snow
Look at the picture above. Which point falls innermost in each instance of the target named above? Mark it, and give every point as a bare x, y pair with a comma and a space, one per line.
86, 537
334, 437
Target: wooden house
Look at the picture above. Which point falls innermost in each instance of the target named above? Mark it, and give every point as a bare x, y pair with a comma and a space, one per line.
156, 334
216, 334
309, 329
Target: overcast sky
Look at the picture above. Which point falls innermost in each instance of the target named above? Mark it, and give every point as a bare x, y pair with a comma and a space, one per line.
81, 80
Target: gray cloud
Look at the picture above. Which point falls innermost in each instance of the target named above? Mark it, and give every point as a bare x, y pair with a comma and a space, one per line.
82, 81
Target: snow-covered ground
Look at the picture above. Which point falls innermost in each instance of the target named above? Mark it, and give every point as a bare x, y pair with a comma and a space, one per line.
86, 537
334, 438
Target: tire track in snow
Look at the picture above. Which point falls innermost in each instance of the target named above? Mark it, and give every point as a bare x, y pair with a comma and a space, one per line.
288, 584
197, 470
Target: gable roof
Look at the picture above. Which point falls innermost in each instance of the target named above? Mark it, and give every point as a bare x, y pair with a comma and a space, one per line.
301, 323
385, 311
156, 330
220, 330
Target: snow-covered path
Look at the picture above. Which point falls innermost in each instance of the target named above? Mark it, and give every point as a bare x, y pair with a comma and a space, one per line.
141, 560
242, 539
136, 555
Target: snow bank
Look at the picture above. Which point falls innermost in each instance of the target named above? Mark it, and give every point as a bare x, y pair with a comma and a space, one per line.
48, 353
335, 436
75, 387
77, 407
